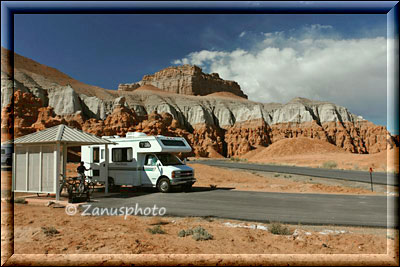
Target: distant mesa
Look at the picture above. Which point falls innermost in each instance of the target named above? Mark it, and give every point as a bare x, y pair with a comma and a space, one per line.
187, 80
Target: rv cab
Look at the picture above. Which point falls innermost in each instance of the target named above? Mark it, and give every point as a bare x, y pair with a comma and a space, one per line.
141, 160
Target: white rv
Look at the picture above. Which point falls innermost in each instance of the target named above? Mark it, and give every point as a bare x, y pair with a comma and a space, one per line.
140, 160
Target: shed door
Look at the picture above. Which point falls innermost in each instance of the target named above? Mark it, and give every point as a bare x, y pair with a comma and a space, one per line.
34, 169
48, 168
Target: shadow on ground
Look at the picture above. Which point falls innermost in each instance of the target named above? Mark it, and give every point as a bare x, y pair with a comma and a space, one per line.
129, 192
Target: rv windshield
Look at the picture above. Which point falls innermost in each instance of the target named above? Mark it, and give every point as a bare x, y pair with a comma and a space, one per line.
169, 159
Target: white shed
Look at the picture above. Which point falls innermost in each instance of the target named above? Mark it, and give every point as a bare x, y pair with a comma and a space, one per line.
39, 157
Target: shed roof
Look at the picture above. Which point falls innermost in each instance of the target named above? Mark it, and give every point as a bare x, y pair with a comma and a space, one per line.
61, 133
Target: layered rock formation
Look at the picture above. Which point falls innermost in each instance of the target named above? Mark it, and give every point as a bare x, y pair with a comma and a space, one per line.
187, 80
214, 125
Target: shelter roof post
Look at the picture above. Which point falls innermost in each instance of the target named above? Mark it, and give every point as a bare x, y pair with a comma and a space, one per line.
64, 160
27, 169
106, 167
40, 167
57, 171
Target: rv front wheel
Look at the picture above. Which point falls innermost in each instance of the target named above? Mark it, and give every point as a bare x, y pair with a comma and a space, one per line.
164, 185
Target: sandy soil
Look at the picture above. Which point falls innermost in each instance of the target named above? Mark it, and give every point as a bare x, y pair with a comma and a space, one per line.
114, 234
208, 176
274, 182
316, 153
226, 95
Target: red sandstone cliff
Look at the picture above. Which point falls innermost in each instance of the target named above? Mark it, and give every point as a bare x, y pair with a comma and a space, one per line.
206, 140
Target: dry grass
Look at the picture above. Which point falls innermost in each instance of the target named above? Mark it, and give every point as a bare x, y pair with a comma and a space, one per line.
329, 164
156, 230
278, 229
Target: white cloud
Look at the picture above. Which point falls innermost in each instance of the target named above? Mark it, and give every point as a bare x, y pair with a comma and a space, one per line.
348, 72
320, 27
242, 34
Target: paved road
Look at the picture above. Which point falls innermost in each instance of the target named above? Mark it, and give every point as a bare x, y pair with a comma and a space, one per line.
358, 176
259, 206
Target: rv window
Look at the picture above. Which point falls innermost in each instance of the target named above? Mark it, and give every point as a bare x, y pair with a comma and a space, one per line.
172, 142
96, 154
122, 154
151, 160
169, 159
145, 144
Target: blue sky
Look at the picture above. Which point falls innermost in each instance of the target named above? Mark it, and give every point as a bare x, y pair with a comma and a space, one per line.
106, 50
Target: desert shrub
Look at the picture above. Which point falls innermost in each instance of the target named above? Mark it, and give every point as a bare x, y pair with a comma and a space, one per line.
277, 175
156, 230
50, 231
198, 233
183, 233
329, 164
279, 229
20, 200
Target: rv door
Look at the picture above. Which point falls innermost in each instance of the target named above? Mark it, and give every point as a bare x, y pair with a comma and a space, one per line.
151, 170
97, 156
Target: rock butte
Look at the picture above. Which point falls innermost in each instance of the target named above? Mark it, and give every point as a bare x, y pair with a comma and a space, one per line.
217, 121
187, 80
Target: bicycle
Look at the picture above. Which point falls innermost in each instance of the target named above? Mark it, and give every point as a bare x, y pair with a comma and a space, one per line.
70, 184
90, 183
86, 186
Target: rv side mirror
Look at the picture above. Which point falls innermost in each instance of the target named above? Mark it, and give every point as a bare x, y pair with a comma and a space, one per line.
184, 160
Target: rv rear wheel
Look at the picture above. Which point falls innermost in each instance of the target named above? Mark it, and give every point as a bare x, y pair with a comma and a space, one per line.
163, 185
111, 183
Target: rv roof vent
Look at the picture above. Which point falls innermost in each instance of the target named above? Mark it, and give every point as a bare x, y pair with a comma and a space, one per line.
107, 137
135, 134
116, 136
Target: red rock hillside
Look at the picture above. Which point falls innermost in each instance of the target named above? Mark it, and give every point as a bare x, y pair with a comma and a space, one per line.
207, 140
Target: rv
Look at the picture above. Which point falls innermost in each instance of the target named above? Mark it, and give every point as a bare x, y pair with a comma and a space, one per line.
140, 160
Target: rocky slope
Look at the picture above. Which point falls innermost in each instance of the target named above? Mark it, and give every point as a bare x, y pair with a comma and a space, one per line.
221, 123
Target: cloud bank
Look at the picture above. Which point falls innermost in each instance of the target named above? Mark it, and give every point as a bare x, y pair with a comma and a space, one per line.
281, 66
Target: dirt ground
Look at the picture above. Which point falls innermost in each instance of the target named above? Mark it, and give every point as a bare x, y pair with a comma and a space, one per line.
275, 182
114, 234
317, 154
208, 176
